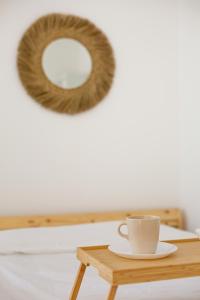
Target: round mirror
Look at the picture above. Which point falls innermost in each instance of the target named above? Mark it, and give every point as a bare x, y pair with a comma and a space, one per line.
66, 63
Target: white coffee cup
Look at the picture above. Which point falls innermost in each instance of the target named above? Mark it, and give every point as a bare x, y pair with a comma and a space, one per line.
143, 233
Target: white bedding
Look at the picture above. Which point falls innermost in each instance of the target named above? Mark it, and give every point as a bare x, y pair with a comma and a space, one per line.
68, 238
50, 276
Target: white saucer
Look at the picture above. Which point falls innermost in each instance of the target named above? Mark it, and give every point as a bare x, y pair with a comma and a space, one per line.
123, 249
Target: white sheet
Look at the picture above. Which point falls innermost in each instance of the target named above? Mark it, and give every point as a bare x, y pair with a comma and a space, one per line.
68, 238
50, 276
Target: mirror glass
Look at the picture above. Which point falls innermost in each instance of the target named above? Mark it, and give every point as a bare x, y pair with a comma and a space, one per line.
67, 63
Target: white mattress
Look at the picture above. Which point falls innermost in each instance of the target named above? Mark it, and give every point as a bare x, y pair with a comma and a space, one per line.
51, 275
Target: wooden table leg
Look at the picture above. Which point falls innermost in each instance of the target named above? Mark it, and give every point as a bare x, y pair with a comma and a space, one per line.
77, 283
112, 292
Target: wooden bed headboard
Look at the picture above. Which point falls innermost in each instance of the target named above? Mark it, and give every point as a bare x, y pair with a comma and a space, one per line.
171, 216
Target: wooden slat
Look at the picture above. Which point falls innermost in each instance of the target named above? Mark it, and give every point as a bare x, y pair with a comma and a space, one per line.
171, 216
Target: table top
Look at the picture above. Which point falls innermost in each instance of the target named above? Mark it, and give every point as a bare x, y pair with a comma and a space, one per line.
117, 270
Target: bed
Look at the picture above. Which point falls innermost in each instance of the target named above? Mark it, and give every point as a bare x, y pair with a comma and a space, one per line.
38, 260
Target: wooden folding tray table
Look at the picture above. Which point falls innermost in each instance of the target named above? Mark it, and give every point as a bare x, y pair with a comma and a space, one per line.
117, 270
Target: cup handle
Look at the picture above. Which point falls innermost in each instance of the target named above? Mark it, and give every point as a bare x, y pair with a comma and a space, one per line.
125, 236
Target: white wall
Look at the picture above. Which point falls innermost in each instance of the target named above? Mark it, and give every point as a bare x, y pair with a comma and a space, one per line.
121, 154
189, 97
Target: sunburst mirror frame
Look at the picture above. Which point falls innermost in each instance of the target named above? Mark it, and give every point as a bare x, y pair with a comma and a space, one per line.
29, 60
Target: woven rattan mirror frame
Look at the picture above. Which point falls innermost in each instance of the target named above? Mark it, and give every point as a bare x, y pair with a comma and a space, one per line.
29, 61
